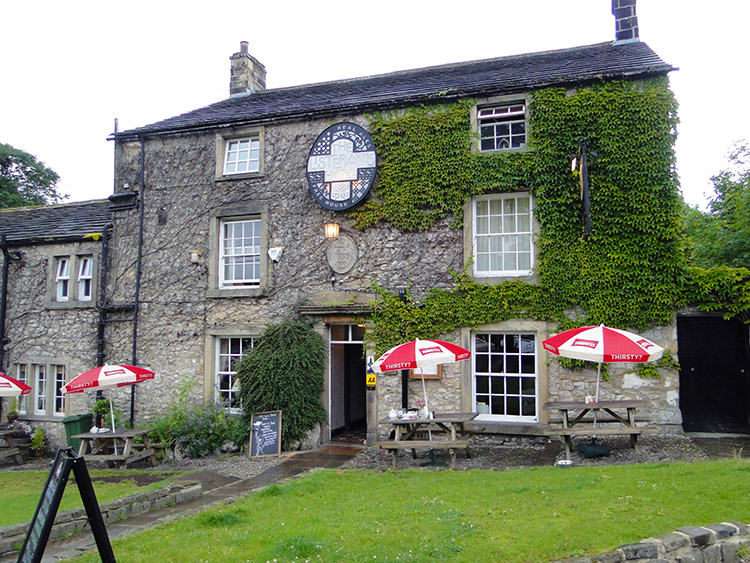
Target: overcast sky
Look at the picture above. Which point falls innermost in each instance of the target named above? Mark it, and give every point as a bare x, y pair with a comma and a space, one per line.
70, 68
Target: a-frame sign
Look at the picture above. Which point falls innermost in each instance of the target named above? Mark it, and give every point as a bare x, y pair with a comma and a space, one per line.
46, 510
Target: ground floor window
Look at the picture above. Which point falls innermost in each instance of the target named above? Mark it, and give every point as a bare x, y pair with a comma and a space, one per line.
505, 375
229, 352
46, 382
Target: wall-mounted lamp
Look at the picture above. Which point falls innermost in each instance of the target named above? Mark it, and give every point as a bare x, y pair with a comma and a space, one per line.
331, 231
195, 256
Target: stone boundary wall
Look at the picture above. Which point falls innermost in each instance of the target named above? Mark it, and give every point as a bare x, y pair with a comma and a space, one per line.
728, 542
71, 521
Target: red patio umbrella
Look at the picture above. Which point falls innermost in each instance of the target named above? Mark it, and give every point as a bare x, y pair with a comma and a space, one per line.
420, 353
10, 387
602, 344
107, 377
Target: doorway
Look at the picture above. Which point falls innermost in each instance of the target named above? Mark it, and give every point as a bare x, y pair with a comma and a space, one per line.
714, 383
348, 398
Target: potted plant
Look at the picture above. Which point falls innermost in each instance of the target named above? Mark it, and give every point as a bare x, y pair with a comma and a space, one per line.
37, 443
101, 412
13, 410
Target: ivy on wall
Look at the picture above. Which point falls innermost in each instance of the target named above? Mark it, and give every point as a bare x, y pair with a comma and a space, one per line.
630, 272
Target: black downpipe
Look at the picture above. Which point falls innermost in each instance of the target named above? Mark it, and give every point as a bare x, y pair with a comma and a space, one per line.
3, 298
102, 288
136, 300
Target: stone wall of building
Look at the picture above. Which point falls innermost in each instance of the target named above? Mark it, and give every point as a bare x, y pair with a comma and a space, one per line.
179, 308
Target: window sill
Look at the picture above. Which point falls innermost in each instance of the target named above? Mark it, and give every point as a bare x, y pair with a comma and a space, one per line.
229, 293
70, 304
247, 176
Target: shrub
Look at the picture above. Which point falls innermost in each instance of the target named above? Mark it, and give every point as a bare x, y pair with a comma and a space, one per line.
199, 429
284, 371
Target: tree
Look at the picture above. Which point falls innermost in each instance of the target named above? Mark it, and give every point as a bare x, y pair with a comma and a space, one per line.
26, 181
721, 236
284, 371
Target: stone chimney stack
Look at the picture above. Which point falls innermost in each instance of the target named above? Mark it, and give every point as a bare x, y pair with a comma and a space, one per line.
247, 74
626, 22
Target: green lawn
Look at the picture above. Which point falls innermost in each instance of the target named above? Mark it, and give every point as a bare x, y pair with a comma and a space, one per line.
539, 514
20, 492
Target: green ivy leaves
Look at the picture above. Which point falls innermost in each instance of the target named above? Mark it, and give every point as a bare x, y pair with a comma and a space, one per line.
631, 272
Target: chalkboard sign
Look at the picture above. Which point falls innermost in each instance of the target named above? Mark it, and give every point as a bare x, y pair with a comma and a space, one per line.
44, 517
265, 434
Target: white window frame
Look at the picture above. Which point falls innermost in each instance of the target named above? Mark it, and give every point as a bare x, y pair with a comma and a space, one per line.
242, 156
62, 279
513, 232
85, 278
58, 399
22, 375
502, 393
41, 381
225, 372
232, 255
512, 114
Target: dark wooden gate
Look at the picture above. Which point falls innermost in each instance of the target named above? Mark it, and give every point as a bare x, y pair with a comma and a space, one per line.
714, 382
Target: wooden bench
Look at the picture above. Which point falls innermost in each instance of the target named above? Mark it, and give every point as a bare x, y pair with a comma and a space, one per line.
569, 433
15, 453
452, 445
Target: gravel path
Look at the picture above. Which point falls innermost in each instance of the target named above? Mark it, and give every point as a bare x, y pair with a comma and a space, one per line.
513, 453
532, 453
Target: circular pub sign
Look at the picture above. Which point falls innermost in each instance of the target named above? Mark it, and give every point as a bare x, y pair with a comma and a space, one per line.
341, 166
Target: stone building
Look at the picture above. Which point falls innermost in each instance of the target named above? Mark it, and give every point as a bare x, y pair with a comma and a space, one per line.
217, 227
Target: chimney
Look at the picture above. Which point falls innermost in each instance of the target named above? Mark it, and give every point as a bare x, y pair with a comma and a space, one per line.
626, 22
247, 75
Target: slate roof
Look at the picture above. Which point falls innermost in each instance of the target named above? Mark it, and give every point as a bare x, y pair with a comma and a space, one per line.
54, 223
514, 74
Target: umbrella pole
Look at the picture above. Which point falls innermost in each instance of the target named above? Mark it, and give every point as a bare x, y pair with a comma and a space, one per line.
112, 416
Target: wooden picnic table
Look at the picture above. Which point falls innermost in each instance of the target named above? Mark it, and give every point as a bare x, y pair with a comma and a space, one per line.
406, 430
117, 448
575, 420
12, 449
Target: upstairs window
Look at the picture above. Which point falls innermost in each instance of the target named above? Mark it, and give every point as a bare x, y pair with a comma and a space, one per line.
242, 156
62, 279
503, 241
502, 127
84, 278
239, 256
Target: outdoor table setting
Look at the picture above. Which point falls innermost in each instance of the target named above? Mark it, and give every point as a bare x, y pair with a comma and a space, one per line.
117, 448
407, 431
602, 345
574, 421
412, 423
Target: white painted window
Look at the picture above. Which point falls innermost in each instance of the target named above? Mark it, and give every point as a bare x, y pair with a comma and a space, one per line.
59, 399
503, 241
505, 376
85, 274
22, 376
239, 261
242, 156
502, 127
62, 279
229, 352
40, 389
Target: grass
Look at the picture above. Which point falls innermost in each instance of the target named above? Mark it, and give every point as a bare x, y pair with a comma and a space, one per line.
20, 492
539, 514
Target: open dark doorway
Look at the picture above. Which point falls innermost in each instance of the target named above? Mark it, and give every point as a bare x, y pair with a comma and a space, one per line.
348, 410
714, 382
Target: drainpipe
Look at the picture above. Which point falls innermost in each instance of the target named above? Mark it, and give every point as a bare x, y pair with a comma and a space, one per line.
102, 289
139, 260
3, 297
